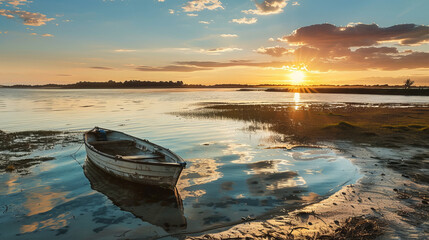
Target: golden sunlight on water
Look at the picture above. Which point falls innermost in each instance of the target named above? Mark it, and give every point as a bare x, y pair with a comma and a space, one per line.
296, 99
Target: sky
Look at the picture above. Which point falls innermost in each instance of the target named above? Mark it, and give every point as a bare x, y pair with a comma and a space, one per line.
215, 41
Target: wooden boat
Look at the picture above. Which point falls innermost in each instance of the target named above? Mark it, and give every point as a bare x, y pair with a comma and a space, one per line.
159, 206
133, 159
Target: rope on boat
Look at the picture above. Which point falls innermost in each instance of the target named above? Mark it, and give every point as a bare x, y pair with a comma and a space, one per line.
73, 155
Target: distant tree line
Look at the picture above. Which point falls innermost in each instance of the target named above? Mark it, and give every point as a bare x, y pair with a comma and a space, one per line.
127, 84
109, 84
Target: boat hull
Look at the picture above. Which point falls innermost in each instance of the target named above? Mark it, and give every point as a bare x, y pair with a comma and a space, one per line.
163, 175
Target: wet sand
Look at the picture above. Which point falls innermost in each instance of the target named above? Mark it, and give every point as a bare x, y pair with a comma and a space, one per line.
390, 145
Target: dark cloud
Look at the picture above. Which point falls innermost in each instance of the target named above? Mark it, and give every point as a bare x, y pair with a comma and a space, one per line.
102, 68
193, 66
276, 51
172, 68
267, 7
372, 58
327, 47
232, 63
358, 35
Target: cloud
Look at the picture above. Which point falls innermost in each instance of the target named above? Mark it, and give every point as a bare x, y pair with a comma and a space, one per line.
229, 35
357, 46
276, 51
357, 35
232, 63
171, 68
245, 20
102, 68
199, 5
192, 15
375, 60
268, 7
43, 35
193, 66
219, 50
295, 4
124, 50
29, 18
161, 0
204, 22
16, 3
171, 11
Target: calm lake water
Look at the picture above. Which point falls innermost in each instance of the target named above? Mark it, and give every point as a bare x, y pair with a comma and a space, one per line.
231, 171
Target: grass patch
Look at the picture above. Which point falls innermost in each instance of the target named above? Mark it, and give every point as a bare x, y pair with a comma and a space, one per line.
425, 130
342, 126
407, 127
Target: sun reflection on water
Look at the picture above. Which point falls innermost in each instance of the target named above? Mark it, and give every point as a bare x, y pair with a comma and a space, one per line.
296, 99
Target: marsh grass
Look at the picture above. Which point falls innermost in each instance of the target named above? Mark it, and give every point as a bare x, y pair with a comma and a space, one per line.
387, 126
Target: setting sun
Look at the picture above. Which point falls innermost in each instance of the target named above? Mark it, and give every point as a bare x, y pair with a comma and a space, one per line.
297, 77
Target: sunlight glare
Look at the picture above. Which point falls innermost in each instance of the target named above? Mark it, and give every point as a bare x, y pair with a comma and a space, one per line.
297, 77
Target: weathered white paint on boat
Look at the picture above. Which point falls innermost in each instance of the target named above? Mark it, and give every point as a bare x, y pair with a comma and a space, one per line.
144, 168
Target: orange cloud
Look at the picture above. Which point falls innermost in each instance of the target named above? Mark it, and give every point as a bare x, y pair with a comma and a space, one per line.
199, 5
268, 7
193, 66
219, 50
29, 18
276, 51
357, 35
244, 20
325, 47
102, 68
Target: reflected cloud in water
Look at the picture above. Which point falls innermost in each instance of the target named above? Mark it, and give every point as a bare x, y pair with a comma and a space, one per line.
43, 200
199, 172
53, 223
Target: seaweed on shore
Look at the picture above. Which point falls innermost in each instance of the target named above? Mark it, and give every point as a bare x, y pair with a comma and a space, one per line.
27, 141
357, 228
16, 146
21, 166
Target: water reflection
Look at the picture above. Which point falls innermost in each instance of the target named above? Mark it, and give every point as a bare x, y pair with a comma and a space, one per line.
296, 99
200, 172
157, 206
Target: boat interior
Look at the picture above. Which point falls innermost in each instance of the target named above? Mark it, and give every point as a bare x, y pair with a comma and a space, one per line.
127, 149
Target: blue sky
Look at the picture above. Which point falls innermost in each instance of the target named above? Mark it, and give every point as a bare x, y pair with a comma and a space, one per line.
45, 41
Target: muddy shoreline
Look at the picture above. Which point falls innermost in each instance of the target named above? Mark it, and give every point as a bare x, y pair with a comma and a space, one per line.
389, 144
16, 148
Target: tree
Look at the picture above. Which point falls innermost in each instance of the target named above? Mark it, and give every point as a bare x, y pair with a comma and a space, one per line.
408, 83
